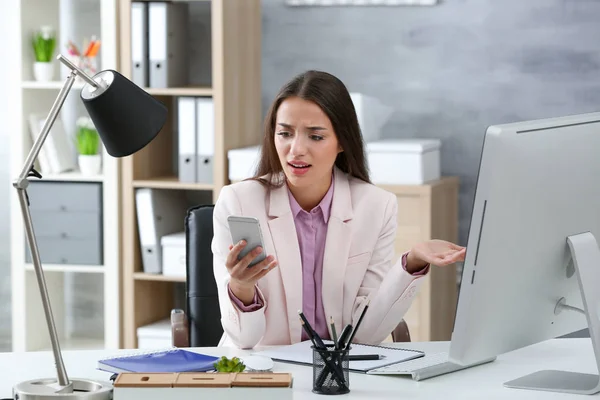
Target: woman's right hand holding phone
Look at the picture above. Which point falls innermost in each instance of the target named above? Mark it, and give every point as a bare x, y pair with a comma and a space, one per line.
243, 279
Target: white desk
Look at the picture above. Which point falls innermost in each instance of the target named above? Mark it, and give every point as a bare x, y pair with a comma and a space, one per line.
482, 382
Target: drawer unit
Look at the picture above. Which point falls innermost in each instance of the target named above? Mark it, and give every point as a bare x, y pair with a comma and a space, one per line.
65, 196
68, 251
83, 224
67, 220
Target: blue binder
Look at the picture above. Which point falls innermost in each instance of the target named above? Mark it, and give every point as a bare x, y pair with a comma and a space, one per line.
172, 360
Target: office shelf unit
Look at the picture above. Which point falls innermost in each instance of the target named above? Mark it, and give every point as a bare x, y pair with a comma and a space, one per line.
235, 73
27, 96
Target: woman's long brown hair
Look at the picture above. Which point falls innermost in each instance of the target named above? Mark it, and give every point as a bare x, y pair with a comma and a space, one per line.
332, 96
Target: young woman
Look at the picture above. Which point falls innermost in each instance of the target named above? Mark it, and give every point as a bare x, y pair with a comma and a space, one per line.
328, 232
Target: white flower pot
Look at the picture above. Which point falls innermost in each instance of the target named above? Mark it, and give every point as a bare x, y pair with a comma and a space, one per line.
90, 164
43, 71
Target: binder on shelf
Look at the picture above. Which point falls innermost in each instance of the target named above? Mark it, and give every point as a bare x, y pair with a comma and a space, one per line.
186, 128
34, 130
139, 43
159, 212
205, 139
167, 41
57, 154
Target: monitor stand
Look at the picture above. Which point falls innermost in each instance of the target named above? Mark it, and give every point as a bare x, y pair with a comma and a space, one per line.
586, 259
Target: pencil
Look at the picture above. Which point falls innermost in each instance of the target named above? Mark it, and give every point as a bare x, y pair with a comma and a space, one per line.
314, 334
358, 323
334, 333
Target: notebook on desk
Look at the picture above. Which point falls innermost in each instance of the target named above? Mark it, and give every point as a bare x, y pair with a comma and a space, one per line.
168, 360
302, 353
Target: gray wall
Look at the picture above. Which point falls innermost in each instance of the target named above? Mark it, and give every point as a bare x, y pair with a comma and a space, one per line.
449, 71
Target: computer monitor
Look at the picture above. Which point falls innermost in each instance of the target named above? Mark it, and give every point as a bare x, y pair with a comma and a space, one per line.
537, 202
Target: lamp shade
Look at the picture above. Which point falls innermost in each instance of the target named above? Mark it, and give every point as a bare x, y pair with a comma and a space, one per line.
126, 117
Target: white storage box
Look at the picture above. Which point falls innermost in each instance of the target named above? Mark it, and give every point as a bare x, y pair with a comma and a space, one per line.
156, 335
404, 161
372, 115
173, 254
243, 162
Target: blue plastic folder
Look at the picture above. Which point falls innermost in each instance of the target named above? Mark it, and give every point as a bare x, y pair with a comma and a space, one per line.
172, 360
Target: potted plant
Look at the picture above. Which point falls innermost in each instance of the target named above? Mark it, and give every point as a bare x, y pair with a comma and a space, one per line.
44, 43
88, 146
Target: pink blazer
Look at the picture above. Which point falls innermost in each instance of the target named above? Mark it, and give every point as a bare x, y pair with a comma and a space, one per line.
359, 263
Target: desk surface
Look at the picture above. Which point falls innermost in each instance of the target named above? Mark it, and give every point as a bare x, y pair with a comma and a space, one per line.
482, 382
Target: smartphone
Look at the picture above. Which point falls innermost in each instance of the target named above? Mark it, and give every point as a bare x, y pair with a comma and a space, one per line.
248, 229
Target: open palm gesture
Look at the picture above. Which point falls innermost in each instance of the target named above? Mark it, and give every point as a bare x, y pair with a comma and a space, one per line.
438, 252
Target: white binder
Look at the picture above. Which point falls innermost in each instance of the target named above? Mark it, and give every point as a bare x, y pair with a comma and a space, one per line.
58, 156
205, 137
167, 41
139, 43
159, 212
186, 128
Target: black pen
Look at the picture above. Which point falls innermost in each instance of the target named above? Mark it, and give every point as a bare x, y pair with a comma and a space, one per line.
365, 357
343, 336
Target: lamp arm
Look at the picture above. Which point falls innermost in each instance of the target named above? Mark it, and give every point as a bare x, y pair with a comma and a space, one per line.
21, 185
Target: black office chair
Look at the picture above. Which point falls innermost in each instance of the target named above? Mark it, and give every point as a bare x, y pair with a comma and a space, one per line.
200, 325
202, 316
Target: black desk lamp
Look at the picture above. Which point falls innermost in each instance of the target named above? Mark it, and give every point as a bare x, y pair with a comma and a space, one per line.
127, 119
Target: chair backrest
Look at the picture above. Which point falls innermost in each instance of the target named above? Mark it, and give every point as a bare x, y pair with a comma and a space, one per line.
203, 312
401, 332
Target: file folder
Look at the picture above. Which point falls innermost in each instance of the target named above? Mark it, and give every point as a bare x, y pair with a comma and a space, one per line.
159, 212
205, 139
139, 44
186, 128
167, 44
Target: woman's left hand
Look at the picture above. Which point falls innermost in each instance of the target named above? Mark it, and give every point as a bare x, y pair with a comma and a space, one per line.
435, 252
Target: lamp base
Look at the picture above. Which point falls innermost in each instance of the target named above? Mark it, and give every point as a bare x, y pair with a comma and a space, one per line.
46, 389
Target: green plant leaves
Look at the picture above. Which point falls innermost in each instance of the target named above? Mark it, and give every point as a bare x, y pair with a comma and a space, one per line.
43, 47
87, 141
229, 365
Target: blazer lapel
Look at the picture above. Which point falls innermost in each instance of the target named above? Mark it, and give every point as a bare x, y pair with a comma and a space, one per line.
337, 249
287, 252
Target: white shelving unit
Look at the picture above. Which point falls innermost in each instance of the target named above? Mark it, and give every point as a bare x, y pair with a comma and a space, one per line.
29, 331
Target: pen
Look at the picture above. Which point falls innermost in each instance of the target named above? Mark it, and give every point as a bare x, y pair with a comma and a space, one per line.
344, 336
365, 357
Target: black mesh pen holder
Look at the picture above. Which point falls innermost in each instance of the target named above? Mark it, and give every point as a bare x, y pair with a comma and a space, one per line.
330, 371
